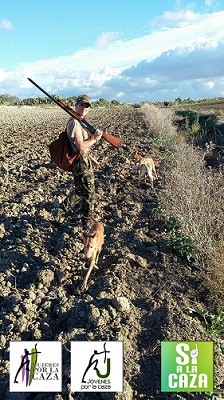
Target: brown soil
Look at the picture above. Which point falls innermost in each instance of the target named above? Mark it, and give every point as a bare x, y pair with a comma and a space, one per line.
42, 265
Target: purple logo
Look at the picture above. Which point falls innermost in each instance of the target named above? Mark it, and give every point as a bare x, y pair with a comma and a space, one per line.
27, 366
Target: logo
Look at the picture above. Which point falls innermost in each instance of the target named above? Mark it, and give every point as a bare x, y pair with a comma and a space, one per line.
35, 366
97, 366
187, 366
27, 366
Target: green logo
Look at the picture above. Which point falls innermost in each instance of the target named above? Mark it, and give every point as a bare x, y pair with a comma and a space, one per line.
187, 366
93, 363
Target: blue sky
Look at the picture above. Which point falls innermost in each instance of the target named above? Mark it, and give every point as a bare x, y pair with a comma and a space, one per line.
130, 50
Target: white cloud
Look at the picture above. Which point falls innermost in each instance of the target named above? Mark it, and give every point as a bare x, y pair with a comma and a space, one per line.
176, 18
164, 64
6, 24
198, 61
210, 84
120, 95
3, 75
183, 70
105, 39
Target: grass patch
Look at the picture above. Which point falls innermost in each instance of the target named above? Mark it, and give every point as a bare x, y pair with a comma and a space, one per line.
214, 322
182, 245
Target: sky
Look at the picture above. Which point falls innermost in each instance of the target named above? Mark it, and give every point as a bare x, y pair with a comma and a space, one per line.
126, 50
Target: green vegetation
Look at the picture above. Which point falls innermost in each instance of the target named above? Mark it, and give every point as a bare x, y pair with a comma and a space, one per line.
7, 100
191, 122
182, 245
191, 194
214, 323
196, 125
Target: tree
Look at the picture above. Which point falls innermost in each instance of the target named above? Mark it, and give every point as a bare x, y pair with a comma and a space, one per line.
115, 102
102, 103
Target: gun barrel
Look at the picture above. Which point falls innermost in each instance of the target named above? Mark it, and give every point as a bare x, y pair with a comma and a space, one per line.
42, 90
116, 142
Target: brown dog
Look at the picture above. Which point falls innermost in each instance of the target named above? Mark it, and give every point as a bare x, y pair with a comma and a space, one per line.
93, 241
146, 167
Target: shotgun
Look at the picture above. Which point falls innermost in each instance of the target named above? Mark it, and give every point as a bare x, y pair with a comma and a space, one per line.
116, 142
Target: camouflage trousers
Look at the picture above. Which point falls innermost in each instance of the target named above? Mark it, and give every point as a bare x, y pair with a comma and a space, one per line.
84, 186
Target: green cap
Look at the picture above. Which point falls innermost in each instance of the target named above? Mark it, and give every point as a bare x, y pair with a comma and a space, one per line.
83, 98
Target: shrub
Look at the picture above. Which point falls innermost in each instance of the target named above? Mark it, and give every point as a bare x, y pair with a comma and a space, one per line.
182, 245
192, 194
160, 122
195, 196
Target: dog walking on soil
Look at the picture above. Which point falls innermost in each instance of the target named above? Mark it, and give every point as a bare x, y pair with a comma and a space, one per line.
93, 242
145, 167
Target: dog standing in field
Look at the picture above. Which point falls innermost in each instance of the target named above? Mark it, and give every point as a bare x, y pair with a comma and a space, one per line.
143, 171
93, 242
145, 167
